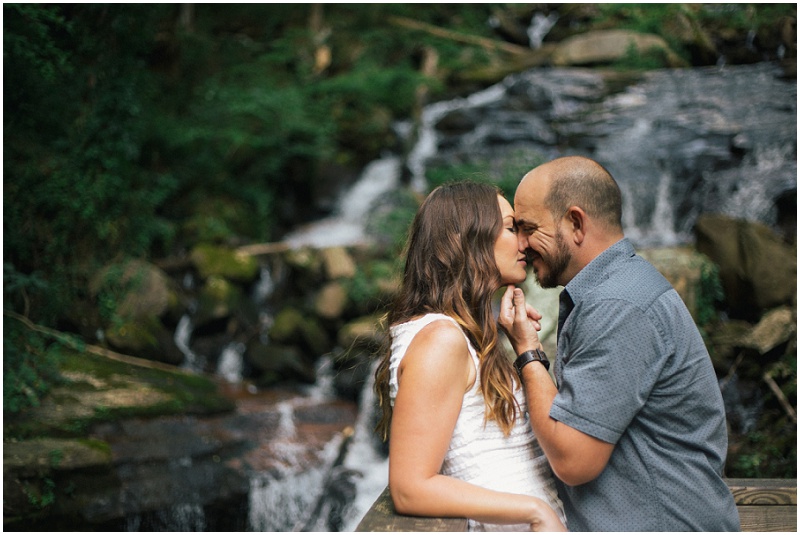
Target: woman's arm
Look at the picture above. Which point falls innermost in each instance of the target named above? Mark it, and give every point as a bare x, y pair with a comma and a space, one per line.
433, 376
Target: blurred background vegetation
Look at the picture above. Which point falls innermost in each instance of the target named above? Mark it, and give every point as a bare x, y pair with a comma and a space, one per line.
139, 130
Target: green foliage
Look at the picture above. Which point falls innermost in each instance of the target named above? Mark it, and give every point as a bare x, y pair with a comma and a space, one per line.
74, 191
709, 293
42, 495
368, 287
644, 18
30, 366
746, 17
766, 455
638, 60
662, 19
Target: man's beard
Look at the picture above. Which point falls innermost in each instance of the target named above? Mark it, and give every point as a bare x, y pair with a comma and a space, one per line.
556, 265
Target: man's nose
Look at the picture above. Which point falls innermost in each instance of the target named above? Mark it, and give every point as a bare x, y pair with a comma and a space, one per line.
522, 243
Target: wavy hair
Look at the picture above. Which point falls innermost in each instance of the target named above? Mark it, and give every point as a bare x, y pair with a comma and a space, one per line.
450, 269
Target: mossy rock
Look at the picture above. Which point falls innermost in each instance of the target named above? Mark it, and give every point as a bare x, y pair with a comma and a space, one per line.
146, 337
217, 299
212, 260
133, 288
97, 389
292, 327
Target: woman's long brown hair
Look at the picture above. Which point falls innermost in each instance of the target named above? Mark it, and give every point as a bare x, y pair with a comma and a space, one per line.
450, 269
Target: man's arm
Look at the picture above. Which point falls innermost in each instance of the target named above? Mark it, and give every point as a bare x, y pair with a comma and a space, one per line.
576, 458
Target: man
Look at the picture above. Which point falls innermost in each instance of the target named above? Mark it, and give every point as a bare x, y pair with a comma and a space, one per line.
634, 428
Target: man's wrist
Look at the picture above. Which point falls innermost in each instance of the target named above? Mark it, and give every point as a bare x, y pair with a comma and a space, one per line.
532, 355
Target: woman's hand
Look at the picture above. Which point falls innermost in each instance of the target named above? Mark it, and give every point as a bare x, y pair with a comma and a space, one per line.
519, 320
546, 518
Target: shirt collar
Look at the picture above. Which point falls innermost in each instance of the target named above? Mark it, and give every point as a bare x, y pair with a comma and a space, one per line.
597, 270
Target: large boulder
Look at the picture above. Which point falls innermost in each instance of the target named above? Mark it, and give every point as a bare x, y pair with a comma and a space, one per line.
133, 296
134, 288
757, 269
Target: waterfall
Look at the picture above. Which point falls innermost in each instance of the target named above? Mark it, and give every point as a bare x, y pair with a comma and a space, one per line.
180, 518
183, 333
654, 227
282, 499
364, 457
427, 145
346, 227
265, 286
231, 362
539, 27
290, 495
323, 387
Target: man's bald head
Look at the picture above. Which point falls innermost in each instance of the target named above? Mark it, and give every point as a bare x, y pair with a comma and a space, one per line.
577, 181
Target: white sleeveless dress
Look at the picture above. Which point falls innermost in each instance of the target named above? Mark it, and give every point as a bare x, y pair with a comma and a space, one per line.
480, 454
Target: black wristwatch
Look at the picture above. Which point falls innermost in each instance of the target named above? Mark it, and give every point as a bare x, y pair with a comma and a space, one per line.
530, 356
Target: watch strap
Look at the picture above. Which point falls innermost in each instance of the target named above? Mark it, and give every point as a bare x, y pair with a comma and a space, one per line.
528, 357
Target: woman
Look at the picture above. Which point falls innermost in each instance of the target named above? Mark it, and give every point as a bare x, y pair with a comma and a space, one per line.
461, 444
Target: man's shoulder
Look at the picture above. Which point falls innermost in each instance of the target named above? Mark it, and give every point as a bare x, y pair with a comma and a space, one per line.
631, 279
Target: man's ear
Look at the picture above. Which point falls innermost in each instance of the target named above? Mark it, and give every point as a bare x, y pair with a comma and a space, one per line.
576, 219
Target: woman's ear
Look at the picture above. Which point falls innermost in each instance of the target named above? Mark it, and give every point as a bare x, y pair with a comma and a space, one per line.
576, 219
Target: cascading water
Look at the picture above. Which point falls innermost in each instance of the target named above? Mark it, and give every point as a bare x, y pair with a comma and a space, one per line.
183, 334
364, 458
346, 227
230, 362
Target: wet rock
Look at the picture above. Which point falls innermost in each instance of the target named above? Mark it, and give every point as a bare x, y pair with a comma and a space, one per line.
276, 362
725, 340
337, 263
776, 328
331, 301
758, 271
305, 267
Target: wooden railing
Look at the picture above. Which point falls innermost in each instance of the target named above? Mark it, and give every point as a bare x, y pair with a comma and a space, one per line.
764, 505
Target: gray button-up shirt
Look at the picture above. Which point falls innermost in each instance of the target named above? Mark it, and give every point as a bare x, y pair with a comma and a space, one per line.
632, 370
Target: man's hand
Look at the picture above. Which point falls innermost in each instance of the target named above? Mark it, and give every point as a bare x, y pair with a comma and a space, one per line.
519, 320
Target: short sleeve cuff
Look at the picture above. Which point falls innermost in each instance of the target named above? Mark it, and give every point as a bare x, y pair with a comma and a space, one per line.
583, 425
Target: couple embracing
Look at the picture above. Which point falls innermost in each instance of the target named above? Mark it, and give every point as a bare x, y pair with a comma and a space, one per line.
628, 434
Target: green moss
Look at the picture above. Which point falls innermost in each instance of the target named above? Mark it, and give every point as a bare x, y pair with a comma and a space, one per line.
212, 260
97, 390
